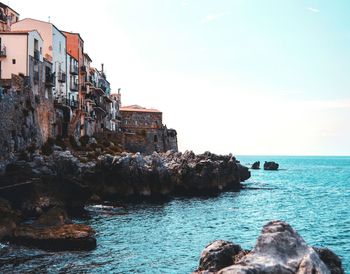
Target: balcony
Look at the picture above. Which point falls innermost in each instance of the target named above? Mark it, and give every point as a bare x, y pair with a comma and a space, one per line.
36, 55
3, 52
62, 77
36, 77
49, 79
72, 103
73, 86
83, 69
74, 69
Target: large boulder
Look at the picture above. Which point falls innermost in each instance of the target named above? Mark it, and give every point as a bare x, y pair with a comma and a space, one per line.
270, 166
331, 260
279, 250
218, 255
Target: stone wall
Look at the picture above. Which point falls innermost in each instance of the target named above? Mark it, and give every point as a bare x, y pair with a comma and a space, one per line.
26, 116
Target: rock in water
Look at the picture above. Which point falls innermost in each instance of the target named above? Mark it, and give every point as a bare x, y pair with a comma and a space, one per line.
256, 165
271, 166
55, 238
331, 260
218, 255
279, 250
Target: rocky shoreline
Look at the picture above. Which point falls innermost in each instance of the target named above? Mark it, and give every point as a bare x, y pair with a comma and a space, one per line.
46, 187
279, 250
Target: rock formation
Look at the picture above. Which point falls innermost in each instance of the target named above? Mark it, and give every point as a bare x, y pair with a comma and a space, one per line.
271, 166
256, 165
279, 250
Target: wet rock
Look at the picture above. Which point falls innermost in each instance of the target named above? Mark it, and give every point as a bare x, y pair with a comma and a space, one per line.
279, 250
256, 165
331, 260
218, 255
270, 166
8, 219
55, 216
55, 238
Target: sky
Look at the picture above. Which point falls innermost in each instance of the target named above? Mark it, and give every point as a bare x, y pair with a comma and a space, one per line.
247, 77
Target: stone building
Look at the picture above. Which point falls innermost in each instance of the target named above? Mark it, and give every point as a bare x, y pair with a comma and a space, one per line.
144, 130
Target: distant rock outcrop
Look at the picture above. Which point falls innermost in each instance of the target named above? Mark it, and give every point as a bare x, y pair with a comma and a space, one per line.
279, 250
256, 165
271, 166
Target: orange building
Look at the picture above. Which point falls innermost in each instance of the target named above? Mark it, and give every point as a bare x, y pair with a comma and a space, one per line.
75, 47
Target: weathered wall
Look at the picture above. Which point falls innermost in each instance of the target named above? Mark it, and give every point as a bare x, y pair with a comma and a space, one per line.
26, 119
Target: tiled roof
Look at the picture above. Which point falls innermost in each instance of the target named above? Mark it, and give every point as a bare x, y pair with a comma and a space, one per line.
137, 108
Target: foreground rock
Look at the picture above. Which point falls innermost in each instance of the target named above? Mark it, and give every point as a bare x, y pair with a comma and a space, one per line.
256, 165
279, 250
55, 238
271, 166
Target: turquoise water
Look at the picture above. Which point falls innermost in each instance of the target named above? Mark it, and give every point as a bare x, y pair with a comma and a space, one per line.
311, 193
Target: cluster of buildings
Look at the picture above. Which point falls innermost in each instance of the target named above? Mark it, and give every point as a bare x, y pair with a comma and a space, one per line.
55, 65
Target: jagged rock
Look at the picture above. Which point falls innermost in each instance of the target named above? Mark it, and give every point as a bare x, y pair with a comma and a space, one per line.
218, 255
279, 250
55, 238
55, 216
256, 165
331, 260
270, 166
8, 219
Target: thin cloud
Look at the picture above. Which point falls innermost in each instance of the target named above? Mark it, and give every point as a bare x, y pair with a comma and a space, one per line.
212, 17
313, 10
184, 3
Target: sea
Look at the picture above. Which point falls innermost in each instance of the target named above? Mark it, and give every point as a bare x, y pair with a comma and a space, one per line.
310, 193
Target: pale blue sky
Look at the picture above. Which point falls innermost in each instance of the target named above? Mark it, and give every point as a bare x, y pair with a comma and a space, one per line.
240, 76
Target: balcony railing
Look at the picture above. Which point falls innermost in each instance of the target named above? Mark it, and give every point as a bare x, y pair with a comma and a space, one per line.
74, 69
50, 79
73, 86
62, 77
72, 103
36, 77
3, 52
36, 54
83, 69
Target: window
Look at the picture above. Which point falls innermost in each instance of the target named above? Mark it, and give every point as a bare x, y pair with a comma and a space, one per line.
155, 138
60, 48
13, 61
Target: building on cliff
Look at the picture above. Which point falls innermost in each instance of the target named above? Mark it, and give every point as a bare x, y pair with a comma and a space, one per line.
8, 16
54, 50
144, 130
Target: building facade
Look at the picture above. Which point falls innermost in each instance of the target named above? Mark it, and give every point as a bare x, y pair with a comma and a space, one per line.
8, 16
54, 50
144, 130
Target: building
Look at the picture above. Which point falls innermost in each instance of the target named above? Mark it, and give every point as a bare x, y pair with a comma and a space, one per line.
144, 130
72, 82
23, 55
54, 50
8, 16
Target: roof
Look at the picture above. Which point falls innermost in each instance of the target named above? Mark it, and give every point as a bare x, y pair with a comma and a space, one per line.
2, 5
73, 33
41, 22
137, 108
88, 57
25, 32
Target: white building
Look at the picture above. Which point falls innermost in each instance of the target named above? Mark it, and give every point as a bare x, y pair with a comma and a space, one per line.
72, 81
54, 50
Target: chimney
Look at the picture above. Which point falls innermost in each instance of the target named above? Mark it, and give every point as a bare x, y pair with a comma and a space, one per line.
102, 67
